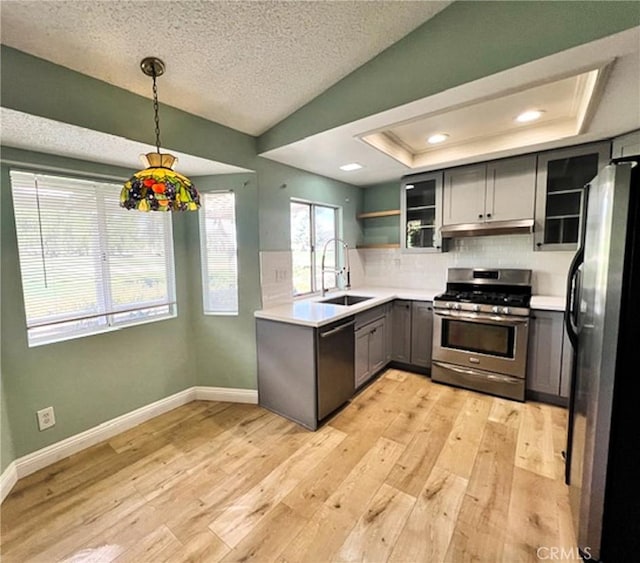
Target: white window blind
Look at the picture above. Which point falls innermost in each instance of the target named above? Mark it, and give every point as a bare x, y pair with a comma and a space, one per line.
219, 253
88, 265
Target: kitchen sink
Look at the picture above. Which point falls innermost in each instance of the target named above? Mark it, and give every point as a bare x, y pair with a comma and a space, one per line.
346, 300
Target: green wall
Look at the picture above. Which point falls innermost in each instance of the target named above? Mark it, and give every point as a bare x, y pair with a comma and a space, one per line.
279, 183
464, 42
92, 379
80, 100
7, 452
224, 346
96, 378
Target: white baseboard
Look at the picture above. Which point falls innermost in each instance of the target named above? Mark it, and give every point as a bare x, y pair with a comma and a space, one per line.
8, 479
46, 456
226, 394
39, 459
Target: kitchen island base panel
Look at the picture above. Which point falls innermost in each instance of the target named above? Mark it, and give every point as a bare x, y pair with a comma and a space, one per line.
286, 371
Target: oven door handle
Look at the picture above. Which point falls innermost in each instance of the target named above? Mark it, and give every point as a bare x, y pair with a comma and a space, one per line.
483, 375
492, 319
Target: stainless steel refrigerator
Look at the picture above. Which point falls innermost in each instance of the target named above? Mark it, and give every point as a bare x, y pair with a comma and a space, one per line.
602, 320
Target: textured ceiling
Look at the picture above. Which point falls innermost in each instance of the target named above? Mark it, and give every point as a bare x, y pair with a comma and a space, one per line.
244, 64
24, 131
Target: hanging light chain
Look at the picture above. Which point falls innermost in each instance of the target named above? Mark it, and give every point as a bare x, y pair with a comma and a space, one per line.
155, 111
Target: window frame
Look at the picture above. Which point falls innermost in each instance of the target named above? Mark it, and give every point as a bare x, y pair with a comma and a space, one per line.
316, 253
204, 266
106, 319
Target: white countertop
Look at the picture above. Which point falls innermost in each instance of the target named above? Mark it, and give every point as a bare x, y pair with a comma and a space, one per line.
547, 303
310, 312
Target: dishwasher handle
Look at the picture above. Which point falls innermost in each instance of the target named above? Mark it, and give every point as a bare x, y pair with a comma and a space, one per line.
337, 329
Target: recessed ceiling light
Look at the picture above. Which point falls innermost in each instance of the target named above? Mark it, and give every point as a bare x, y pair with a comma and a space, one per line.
437, 138
530, 115
351, 166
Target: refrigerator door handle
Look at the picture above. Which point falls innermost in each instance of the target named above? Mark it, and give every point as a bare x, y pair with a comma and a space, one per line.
572, 304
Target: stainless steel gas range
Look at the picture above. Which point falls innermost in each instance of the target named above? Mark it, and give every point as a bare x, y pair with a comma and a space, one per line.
481, 331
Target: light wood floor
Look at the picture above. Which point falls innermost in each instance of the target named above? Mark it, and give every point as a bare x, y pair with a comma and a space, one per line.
410, 471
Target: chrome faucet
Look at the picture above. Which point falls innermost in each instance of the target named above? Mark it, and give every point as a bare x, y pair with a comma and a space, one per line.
346, 270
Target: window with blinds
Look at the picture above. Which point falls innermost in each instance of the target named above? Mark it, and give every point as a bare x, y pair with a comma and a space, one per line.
88, 265
219, 253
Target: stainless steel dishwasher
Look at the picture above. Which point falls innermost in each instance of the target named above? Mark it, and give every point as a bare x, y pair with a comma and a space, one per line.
335, 349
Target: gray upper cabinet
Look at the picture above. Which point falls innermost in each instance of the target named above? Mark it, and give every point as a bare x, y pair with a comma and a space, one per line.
626, 145
501, 190
511, 189
464, 194
562, 175
421, 333
421, 212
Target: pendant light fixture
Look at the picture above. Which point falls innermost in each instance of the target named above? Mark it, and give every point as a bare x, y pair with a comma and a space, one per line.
158, 187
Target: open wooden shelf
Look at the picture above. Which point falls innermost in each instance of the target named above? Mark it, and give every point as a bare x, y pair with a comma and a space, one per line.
372, 214
384, 245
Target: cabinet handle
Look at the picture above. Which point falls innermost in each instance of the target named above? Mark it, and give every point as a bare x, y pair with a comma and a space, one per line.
489, 215
479, 215
538, 244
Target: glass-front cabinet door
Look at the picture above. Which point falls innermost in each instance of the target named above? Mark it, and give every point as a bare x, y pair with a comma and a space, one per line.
421, 211
562, 175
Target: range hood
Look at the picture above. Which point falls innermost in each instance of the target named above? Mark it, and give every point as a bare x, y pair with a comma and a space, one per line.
490, 228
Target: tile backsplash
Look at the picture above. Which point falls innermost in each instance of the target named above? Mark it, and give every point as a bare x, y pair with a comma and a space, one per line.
275, 278
394, 268
275, 275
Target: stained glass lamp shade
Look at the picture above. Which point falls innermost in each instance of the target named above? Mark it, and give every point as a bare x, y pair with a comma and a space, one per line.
158, 187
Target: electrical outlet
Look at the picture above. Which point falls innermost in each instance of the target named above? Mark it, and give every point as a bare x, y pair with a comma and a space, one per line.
46, 418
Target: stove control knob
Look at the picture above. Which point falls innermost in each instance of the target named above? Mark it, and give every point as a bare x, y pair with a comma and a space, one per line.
505, 310
456, 306
449, 305
494, 309
476, 308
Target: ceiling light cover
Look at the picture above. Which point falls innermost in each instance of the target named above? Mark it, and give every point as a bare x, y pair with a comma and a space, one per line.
351, 166
437, 138
158, 187
530, 115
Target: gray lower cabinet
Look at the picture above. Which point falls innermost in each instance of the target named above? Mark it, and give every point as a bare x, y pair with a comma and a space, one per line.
371, 351
421, 333
401, 331
549, 357
412, 333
